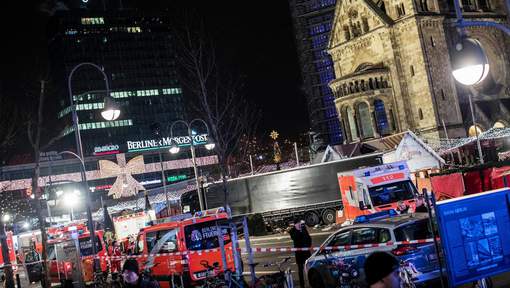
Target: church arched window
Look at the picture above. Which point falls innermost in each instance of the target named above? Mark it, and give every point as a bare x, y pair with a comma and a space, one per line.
365, 120
381, 119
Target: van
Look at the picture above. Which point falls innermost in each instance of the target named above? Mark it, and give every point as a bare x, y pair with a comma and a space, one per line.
60, 269
176, 250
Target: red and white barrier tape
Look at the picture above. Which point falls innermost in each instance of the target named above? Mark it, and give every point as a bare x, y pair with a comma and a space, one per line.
271, 249
245, 250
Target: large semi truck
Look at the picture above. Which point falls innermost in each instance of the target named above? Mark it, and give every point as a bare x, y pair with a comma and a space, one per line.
311, 192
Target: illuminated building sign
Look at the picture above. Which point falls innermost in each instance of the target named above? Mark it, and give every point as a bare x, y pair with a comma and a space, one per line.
165, 142
102, 187
107, 149
150, 182
175, 178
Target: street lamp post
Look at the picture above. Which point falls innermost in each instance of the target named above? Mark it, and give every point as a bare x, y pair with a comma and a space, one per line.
175, 149
163, 178
110, 112
470, 65
475, 126
157, 132
89, 214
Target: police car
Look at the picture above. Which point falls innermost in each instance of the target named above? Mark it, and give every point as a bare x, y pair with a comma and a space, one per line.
381, 230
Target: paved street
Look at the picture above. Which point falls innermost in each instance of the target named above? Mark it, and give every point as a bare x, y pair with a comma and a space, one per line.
278, 241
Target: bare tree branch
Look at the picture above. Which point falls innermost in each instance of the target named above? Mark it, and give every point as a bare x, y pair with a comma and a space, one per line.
35, 129
219, 97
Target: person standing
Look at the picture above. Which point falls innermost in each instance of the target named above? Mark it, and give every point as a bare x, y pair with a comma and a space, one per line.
301, 238
420, 205
115, 254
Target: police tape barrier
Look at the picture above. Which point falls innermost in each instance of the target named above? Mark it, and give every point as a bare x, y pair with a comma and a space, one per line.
21, 264
269, 249
243, 250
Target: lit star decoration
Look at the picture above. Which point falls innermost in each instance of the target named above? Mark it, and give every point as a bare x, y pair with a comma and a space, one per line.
276, 148
274, 135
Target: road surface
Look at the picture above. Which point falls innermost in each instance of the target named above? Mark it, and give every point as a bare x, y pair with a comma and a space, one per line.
277, 241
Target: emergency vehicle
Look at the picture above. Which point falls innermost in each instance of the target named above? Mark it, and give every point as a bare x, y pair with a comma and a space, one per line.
126, 227
12, 253
170, 249
369, 190
61, 269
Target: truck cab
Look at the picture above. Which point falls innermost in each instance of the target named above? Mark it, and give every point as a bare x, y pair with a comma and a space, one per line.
369, 190
180, 248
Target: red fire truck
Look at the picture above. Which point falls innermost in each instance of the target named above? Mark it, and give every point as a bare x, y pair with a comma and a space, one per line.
61, 269
368, 190
171, 248
12, 253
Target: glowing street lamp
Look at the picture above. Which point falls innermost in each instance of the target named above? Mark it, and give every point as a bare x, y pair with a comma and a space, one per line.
174, 149
70, 200
210, 146
111, 109
6, 218
470, 65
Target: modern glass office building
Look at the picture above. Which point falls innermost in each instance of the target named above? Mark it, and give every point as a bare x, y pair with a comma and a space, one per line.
136, 51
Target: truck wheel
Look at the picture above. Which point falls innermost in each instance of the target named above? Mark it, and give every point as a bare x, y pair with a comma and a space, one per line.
328, 216
312, 219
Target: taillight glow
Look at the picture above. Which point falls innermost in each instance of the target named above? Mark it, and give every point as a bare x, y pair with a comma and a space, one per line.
403, 250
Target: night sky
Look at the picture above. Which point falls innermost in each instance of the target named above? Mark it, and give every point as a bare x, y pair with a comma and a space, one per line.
255, 39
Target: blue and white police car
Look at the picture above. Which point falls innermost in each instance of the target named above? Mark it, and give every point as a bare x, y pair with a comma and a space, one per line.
385, 231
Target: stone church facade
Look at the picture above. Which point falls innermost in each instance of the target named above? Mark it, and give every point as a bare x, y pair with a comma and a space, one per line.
392, 66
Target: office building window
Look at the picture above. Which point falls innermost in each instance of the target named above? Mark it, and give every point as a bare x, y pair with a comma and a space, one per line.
92, 21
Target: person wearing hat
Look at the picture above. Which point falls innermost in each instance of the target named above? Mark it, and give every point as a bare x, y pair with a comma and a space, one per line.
131, 276
301, 239
382, 270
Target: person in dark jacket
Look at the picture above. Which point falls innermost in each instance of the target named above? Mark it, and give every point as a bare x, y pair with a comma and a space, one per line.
132, 278
420, 205
301, 239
